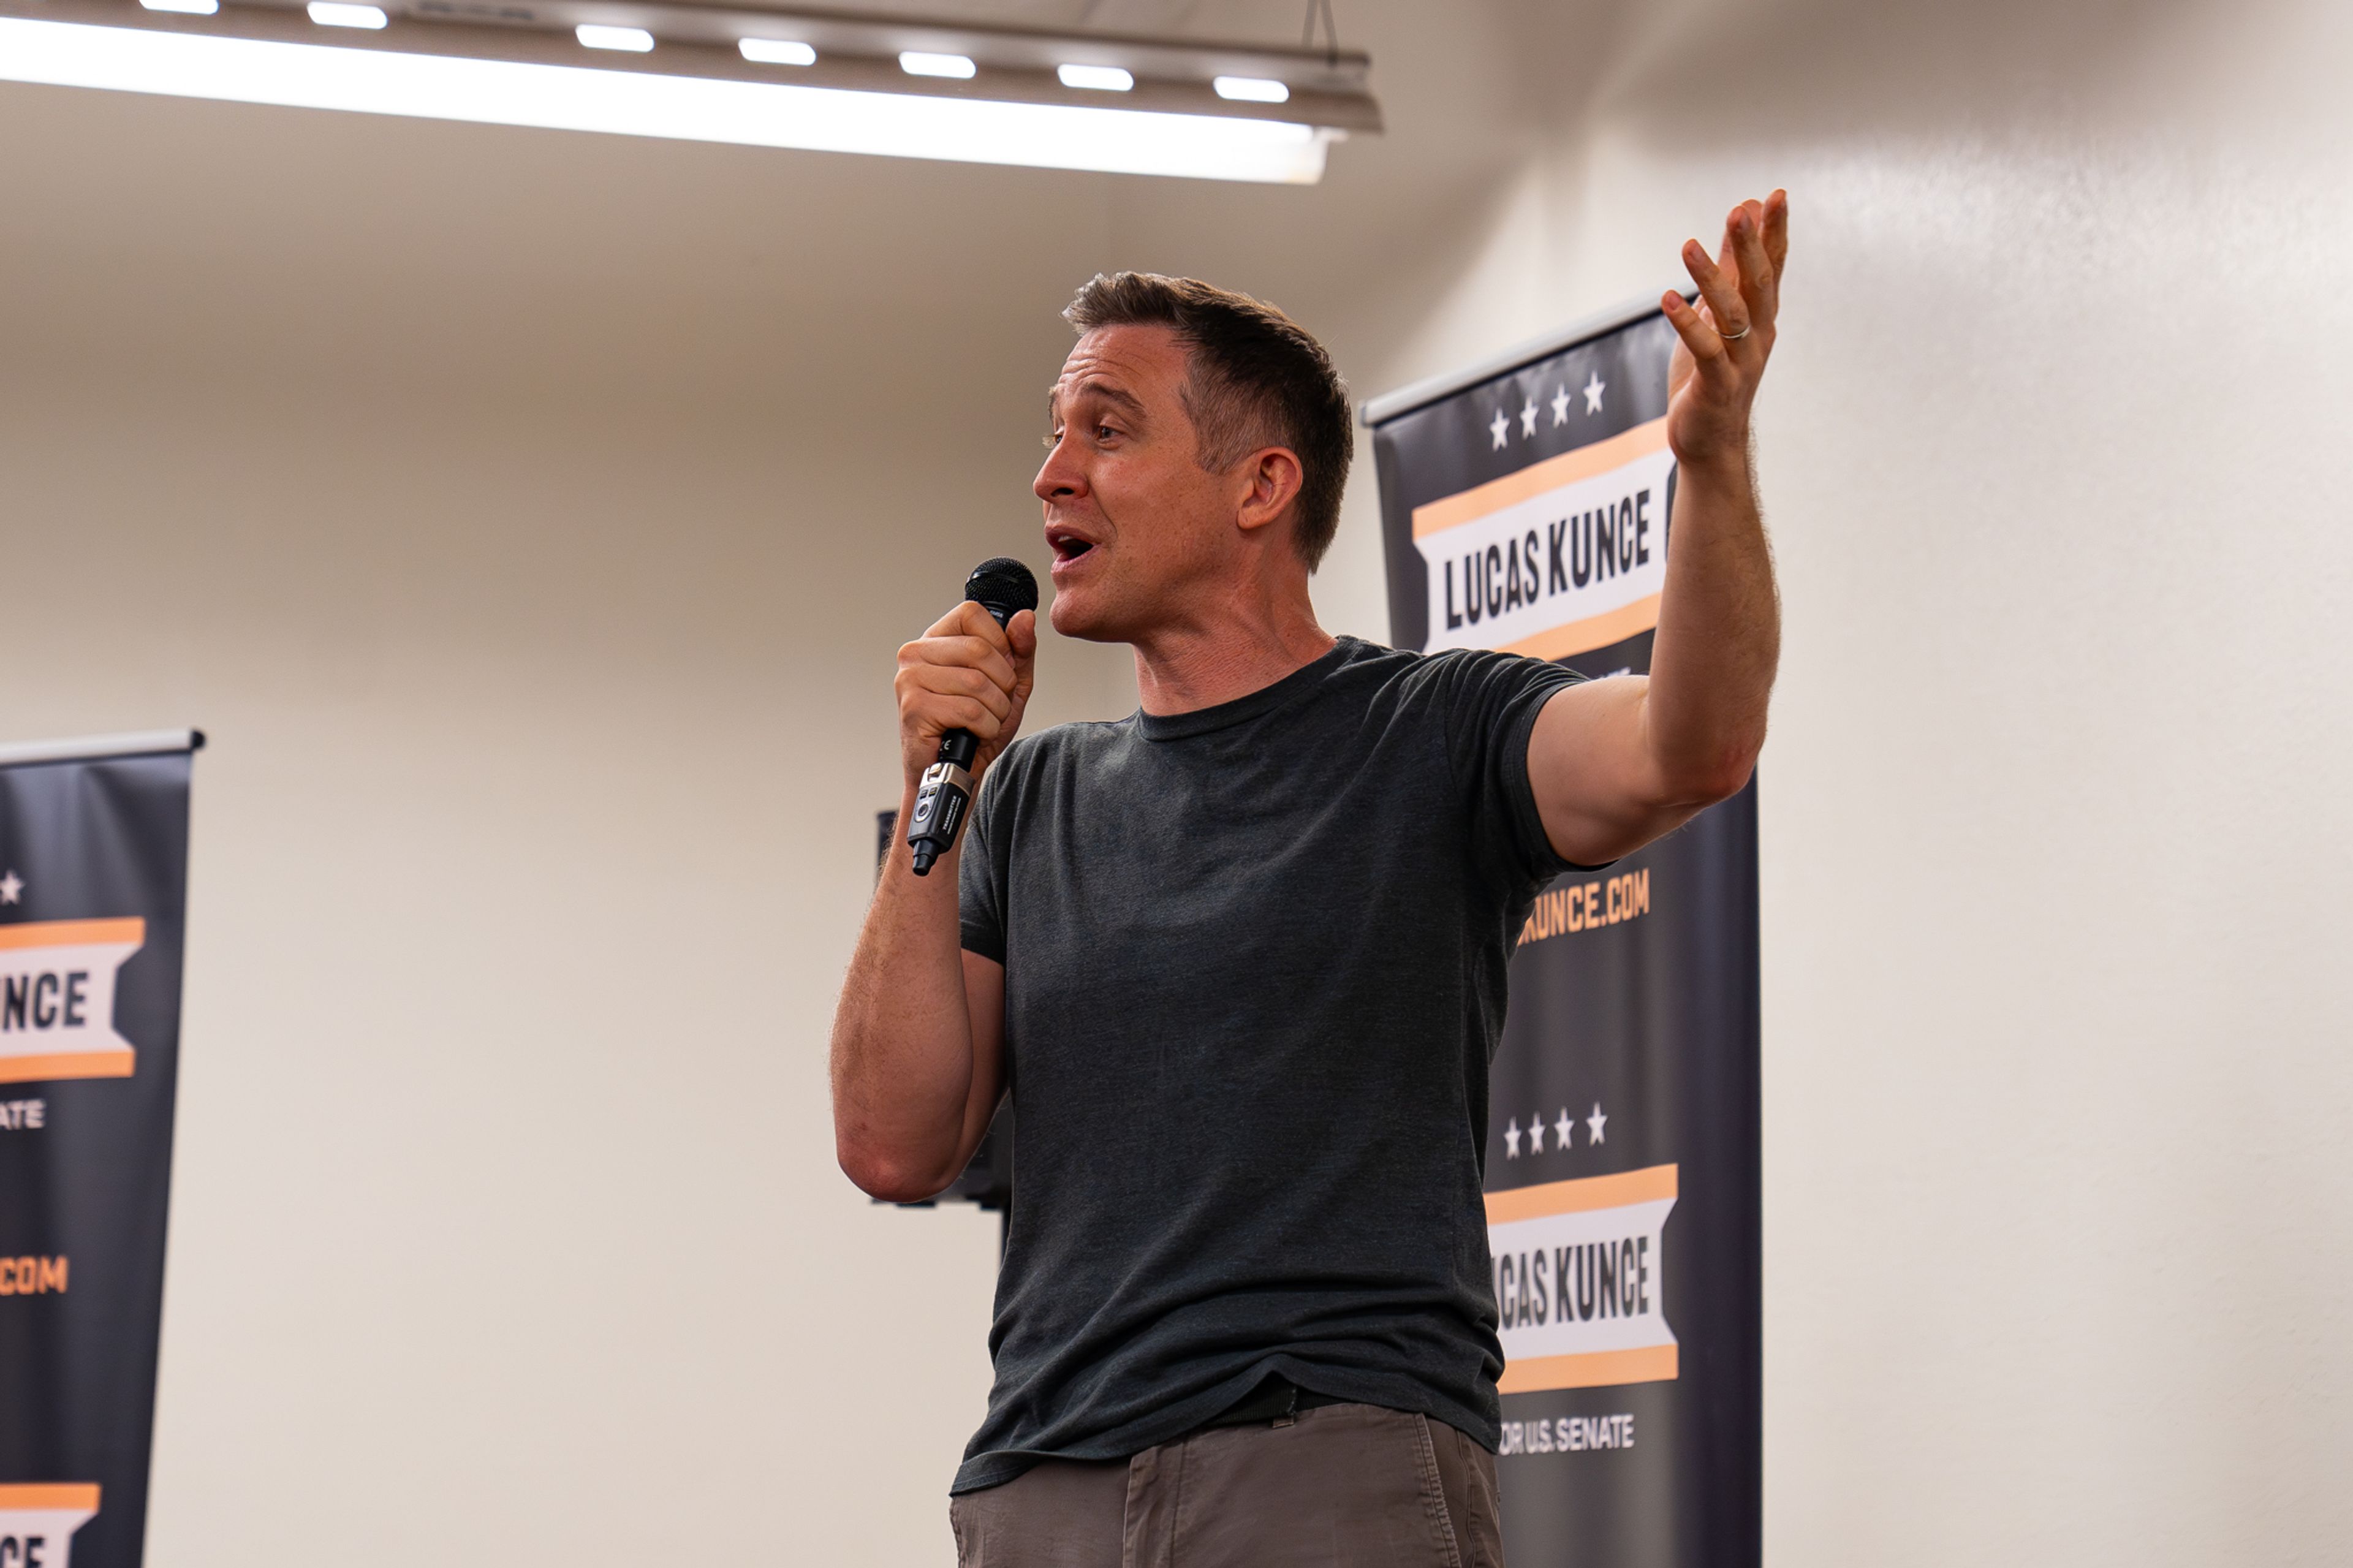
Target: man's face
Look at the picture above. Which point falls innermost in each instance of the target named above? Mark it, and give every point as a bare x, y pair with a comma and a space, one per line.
1133, 518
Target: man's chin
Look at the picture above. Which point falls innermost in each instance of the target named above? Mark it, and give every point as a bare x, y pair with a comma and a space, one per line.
1076, 614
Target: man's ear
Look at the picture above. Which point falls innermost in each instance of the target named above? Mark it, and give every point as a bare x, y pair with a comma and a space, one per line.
1274, 477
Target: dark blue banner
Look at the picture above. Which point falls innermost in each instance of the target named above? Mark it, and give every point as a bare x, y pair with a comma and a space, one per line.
1529, 510
93, 872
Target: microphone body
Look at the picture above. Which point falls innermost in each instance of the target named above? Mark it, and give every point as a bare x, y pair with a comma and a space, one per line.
944, 797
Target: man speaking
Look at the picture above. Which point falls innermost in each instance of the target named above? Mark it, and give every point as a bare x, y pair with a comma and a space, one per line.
1240, 957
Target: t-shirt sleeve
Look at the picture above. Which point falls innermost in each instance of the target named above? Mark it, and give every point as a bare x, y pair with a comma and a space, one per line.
1492, 703
980, 879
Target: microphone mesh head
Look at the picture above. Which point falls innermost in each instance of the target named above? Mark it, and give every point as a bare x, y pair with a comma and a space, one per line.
1003, 585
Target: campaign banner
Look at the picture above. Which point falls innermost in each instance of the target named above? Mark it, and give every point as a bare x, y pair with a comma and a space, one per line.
93, 872
1527, 506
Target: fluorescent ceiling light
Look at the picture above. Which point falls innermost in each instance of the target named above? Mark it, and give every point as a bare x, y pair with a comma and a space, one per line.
648, 103
777, 52
915, 62
336, 14
630, 40
1096, 79
192, 8
1251, 90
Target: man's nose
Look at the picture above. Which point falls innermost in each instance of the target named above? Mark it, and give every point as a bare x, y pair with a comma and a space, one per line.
1060, 477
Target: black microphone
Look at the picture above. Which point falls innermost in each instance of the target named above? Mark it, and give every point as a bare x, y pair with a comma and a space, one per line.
1003, 587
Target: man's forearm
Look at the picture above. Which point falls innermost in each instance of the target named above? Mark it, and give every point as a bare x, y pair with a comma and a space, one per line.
902, 1045
1719, 637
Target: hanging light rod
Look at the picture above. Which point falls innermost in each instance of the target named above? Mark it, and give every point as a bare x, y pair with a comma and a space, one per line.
810, 79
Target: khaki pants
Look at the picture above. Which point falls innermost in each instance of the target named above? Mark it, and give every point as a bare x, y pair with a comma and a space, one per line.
1343, 1486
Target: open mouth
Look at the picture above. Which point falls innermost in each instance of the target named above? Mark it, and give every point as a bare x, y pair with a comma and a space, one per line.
1068, 544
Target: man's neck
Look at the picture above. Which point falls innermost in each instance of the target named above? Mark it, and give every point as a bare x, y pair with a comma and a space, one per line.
1222, 657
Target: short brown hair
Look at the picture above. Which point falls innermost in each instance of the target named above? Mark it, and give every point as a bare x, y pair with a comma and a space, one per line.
1255, 379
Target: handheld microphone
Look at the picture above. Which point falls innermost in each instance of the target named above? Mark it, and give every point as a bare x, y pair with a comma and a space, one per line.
1003, 587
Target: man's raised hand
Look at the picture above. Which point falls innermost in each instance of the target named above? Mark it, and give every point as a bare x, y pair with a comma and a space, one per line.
966, 673
1726, 341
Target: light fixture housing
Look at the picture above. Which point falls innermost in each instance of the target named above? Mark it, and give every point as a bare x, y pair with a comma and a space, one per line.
766, 78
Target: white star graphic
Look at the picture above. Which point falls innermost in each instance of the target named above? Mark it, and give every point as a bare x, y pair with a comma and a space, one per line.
1512, 1140
1528, 419
1499, 428
1536, 1134
11, 889
1593, 393
1560, 406
1563, 1128
1596, 1121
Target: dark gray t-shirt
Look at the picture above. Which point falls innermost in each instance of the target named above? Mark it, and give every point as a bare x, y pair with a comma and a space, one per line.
1254, 971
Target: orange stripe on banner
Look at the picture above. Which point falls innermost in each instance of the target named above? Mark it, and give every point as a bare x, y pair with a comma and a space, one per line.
1595, 1369
65, 1065
1643, 1186
66, 1499
1569, 468
73, 933
1593, 632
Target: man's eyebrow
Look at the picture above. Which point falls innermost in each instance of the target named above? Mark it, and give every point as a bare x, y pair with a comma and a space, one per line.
1123, 401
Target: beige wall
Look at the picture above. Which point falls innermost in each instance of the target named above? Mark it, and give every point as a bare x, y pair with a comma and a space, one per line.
530, 519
